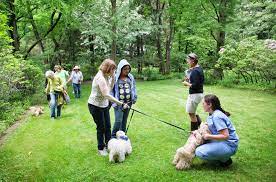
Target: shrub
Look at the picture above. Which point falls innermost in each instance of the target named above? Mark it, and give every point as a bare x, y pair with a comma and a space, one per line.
20, 80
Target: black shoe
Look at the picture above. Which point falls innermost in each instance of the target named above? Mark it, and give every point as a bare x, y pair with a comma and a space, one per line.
226, 163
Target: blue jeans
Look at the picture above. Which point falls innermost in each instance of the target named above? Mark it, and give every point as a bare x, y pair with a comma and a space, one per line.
102, 119
77, 90
54, 106
120, 120
215, 151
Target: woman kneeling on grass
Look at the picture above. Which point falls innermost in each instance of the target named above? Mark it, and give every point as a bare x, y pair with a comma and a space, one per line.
222, 143
98, 102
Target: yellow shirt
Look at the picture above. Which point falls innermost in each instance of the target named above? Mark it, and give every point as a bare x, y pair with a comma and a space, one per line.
54, 84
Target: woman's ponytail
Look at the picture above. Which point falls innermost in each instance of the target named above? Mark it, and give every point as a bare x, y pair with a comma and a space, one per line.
214, 100
225, 112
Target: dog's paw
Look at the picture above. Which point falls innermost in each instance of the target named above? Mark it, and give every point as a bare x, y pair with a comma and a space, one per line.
182, 165
175, 159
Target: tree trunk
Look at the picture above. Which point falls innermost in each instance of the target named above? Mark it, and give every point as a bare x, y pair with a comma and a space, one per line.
56, 54
139, 54
113, 46
179, 42
35, 30
12, 22
71, 41
158, 36
131, 51
168, 46
92, 49
53, 25
142, 53
186, 47
219, 36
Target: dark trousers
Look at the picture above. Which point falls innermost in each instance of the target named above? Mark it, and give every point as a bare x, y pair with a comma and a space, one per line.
102, 119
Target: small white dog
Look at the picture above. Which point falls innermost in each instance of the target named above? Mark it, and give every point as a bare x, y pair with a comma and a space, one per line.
36, 110
119, 147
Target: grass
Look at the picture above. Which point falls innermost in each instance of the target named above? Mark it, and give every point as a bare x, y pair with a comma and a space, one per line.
65, 149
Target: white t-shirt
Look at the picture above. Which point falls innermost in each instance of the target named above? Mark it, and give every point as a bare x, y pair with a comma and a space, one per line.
100, 93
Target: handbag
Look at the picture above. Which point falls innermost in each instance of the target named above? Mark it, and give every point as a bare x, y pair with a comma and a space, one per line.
66, 98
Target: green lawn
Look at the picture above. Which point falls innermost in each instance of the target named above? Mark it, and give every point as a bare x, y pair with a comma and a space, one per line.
65, 149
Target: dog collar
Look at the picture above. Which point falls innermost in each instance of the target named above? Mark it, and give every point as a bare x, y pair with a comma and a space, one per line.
124, 138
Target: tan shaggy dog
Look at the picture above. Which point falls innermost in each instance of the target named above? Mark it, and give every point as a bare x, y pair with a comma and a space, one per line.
36, 110
184, 155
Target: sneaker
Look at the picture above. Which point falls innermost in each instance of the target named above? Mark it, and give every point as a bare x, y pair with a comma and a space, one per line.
226, 163
102, 152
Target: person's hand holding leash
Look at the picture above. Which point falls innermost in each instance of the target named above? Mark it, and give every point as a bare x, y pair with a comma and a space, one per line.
187, 84
125, 106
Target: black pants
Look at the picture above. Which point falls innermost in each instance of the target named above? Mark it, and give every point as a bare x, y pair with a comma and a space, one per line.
102, 119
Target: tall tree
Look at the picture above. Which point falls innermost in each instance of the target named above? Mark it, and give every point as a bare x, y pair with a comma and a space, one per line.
159, 7
12, 23
53, 24
113, 45
169, 35
221, 11
33, 23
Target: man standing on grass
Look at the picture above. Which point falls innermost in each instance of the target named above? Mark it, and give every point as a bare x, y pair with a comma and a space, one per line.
194, 79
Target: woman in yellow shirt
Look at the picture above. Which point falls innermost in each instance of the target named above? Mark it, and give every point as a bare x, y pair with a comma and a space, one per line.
55, 89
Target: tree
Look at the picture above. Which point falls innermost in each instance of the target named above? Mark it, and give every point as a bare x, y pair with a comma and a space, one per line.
221, 11
9, 7
113, 45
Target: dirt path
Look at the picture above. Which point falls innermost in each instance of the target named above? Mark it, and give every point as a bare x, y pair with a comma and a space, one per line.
5, 134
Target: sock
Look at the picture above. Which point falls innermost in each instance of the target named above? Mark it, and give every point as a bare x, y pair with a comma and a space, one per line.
194, 126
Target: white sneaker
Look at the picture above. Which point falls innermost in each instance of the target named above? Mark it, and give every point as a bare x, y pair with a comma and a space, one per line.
103, 152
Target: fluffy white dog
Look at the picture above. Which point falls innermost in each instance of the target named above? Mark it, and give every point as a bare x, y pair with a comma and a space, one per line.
36, 110
184, 155
119, 147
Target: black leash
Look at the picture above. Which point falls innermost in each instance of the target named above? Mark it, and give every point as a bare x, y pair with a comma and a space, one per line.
130, 120
155, 119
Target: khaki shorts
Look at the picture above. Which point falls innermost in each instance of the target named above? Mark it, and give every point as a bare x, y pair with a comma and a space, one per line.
193, 101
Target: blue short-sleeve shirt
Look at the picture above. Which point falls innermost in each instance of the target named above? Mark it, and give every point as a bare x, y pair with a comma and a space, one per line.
219, 121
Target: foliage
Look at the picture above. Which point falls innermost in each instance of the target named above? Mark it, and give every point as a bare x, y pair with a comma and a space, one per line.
4, 38
232, 80
251, 60
151, 73
256, 18
19, 81
97, 21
